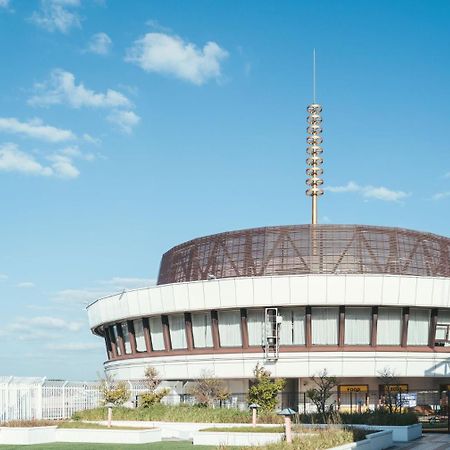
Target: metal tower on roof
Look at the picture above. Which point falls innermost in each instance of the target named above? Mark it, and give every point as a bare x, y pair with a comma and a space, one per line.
314, 150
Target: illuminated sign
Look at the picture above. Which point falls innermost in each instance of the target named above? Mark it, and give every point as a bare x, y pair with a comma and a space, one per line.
395, 388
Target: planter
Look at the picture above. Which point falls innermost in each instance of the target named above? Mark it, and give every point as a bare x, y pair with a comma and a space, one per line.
235, 438
107, 436
376, 441
46, 435
27, 436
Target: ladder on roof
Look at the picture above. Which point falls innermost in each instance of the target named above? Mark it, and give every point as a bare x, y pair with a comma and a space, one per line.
272, 322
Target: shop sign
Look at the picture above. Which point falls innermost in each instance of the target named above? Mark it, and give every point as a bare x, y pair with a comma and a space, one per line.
395, 388
408, 400
347, 388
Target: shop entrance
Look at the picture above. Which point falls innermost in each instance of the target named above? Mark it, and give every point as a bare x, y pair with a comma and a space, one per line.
353, 397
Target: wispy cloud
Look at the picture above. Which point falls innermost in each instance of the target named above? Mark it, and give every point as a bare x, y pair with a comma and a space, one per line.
368, 191
170, 55
60, 164
101, 288
25, 285
441, 195
100, 44
4, 3
57, 15
125, 120
76, 346
3, 277
35, 129
62, 89
447, 175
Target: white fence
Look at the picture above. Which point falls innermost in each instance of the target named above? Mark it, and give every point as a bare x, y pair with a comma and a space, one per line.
40, 398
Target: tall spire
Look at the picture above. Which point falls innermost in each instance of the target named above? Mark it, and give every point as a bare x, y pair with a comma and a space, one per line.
314, 150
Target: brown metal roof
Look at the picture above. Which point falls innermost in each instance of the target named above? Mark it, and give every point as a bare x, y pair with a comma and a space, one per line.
307, 249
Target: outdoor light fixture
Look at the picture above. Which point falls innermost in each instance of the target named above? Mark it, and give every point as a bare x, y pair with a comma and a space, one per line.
287, 413
254, 407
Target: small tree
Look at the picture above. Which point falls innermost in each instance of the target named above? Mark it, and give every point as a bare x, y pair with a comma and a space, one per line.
265, 389
323, 390
154, 395
392, 401
113, 392
208, 389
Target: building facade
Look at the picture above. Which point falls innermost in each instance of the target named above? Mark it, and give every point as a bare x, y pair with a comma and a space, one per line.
354, 300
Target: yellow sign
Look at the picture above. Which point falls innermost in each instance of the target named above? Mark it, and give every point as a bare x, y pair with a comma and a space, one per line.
354, 388
395, 388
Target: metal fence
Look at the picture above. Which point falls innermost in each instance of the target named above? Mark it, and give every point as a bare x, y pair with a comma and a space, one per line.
40, 398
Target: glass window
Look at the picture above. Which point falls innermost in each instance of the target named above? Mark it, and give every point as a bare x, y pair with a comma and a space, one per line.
177, 329
126, 338
201, 329
139, 335
389, 326
292, 330
116, 339
230, 328
255, 325
325, 326
156, 333
358, 323
418, 326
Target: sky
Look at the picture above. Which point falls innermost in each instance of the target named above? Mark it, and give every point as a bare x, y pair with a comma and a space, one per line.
129, 127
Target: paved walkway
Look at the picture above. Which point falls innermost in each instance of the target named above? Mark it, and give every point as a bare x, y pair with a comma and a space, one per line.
428, 442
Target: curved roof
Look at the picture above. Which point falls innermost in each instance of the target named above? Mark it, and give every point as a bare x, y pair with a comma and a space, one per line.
307, 249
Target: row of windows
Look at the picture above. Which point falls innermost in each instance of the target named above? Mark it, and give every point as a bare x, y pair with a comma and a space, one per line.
292, 331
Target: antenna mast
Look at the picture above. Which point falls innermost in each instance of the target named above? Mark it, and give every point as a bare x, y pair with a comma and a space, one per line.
314, 150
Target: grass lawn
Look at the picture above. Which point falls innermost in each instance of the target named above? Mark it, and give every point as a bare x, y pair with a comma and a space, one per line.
168, 445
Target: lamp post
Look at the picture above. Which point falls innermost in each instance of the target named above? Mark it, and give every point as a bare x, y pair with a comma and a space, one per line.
110, 407
254, 407
287, 413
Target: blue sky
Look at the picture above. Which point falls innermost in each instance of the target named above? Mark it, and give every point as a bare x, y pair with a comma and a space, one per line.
129, 127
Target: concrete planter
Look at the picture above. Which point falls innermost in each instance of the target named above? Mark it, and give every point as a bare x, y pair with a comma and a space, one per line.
107, 436
235, 438
46, 435
376, 441
27, 436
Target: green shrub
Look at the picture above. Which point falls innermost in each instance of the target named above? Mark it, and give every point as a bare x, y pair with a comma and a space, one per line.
150, 398
179, 413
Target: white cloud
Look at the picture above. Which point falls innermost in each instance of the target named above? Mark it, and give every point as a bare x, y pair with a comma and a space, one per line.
170, 55
76, 346
102, 288
61, 163
441, 195
35, 129
4, 3
26, 285
62, 89
3, 277
57, 15
100, 44
126, 120
376, 192
14, 160
91, 139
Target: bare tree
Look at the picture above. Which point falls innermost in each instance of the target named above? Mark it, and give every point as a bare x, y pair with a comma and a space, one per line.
208, 389
392, 395
323, 390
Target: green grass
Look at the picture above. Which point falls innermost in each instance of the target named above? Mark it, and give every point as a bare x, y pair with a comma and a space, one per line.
180, 413
66, 424
172, 445
247, 429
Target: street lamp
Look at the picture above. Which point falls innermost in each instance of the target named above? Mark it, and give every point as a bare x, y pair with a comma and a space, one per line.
254, 407
110, 407
287, 413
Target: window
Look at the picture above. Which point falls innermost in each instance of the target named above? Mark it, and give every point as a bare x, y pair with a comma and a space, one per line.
418, 326
177, 331
358, 323
292, 329
255, 324
389, 326
126, 338
115, 336
139, 335
201, 329
443, 328
156, 333
230, 328
325, 326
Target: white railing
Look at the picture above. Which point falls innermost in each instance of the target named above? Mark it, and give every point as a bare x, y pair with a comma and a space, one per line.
40, 398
